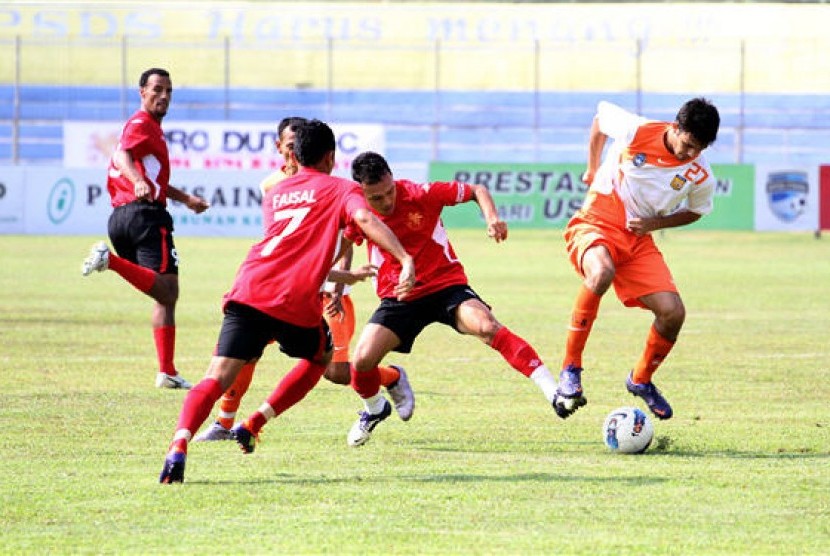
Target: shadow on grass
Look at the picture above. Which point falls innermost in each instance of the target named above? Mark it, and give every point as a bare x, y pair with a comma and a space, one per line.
285, 478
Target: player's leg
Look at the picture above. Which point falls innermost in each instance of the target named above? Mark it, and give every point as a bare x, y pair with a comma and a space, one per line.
475, 318
196, 408
342, 329
158, 252
313, 348
243, 337
375, 342
229, 405
669, 314
645, 281
593, 261
392, 377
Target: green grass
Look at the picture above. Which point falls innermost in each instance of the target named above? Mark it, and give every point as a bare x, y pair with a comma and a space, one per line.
484, 467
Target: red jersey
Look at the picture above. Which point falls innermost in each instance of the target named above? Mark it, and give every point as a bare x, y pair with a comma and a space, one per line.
143, 138
282, 274
416, 221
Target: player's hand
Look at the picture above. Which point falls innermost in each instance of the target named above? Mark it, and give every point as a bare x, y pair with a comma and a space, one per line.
363, 272
333, 306
641, 226
497, 230
197, 204
588, 177
143, 191
406, 280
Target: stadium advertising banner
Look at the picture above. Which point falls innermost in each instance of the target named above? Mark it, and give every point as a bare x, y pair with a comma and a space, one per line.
547, 195
11, 200
214, 145
74, 201
787, 199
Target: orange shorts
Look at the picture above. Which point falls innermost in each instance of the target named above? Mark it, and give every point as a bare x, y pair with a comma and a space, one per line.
640, 267
342, 328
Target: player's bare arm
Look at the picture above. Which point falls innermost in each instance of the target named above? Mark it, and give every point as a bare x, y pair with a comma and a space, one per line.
496, 227
193, 202
596, 144
349, 277
380, 233
643, 226
123, 160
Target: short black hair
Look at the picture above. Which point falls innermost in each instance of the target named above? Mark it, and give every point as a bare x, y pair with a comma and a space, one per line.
291, 121
369, 168
313, 141
142, 81
700, 118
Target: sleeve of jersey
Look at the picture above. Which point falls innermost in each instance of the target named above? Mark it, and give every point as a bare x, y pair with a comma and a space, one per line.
618, 123
354, 200
135, 134
701, 197
451, 193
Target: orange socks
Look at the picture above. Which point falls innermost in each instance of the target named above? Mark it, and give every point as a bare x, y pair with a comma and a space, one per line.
388, 375
584, 313
656, 350
232, 397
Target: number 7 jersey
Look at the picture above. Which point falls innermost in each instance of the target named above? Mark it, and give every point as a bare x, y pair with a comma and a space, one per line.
282, 274
649, 179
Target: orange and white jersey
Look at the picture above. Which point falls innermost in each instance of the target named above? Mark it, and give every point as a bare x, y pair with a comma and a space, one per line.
649, 179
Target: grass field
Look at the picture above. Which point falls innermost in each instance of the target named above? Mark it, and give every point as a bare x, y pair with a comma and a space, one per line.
484, 466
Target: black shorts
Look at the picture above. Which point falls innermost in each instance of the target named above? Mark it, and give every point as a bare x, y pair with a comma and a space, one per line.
142, 233
408, 318
246, 331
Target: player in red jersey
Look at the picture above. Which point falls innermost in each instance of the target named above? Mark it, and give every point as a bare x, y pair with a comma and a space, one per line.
441, 294
338, 312
140, 227
275, 295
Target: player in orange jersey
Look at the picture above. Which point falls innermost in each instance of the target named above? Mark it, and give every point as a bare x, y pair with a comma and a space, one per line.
654, 176
339, 313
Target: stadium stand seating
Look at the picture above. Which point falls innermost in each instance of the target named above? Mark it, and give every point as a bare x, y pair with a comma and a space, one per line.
427, 125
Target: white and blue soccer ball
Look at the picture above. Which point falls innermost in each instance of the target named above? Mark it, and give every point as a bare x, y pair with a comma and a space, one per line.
627, 430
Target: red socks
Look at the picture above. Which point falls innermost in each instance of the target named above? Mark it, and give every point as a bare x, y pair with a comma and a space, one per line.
139, 277
366, 383
165, 338
292, 388
517, 352
196, 408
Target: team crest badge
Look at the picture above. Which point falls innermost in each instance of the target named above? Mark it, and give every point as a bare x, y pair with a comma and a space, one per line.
639, 159
414, 220
678, 182
787, 194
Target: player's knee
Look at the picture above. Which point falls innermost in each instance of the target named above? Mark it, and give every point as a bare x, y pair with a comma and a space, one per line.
672, 316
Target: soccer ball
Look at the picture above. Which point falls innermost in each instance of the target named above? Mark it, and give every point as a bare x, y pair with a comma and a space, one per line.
627, 430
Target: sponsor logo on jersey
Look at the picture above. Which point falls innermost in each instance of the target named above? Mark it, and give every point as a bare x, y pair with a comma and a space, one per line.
639, 159
787, 193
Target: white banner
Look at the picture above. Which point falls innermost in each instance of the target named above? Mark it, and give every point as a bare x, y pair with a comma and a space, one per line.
11, 200
786, 199
214, 145
74, 201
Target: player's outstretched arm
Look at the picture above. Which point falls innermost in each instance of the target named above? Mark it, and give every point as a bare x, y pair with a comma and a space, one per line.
383, 237
193, 202
496, 227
